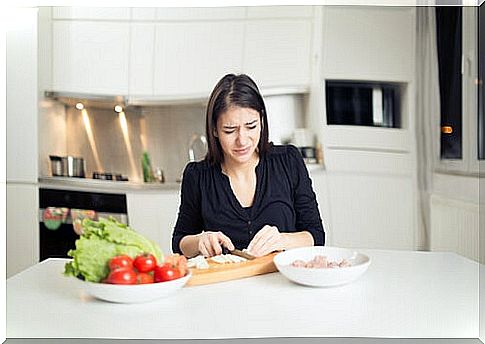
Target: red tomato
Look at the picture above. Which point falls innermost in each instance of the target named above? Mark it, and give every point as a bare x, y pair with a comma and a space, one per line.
145, 262
165, 272
144, 278
177, 261
122, 276
122, 261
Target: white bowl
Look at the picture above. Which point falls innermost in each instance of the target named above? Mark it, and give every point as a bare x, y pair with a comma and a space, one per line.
321, 277
133, 293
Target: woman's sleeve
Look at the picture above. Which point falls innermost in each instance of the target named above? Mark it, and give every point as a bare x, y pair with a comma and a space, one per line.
305, 201
189, 220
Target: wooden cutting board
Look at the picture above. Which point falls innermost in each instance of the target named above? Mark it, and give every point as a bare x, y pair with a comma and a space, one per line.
231, 271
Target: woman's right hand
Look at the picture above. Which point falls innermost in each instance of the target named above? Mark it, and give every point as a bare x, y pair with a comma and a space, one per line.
210, 243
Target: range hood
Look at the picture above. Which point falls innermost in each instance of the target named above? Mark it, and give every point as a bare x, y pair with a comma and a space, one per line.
109, 101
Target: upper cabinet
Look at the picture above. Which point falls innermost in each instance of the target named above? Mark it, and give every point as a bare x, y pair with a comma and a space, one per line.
369, 43
91, 56
191, 57
178, 52
278, 53
96, 13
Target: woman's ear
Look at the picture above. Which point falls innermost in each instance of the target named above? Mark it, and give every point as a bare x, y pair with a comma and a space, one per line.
214, 132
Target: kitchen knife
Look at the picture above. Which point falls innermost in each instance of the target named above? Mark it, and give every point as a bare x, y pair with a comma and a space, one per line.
243, 254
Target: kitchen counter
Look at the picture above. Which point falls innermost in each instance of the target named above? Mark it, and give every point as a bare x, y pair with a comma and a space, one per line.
98, 185
403, 294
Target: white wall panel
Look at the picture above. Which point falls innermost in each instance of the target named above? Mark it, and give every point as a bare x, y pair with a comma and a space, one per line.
371, 212
21, 98
454, 226
22, 227
154, 216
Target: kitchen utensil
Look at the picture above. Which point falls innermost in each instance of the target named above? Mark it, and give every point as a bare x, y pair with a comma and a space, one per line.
57, 168
226, 272
75, 166
136, 293
67, 166
243, 254
321, 277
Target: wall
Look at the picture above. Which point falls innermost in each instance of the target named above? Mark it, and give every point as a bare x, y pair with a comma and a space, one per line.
164, 131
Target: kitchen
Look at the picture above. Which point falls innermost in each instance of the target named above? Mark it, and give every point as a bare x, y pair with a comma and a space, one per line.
367, 178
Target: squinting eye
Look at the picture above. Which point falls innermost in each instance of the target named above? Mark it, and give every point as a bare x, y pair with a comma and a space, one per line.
228, 132
252, 127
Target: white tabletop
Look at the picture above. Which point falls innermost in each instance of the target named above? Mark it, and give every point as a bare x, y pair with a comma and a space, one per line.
403, 294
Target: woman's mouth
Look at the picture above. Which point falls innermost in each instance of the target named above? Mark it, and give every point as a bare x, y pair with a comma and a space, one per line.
241, 151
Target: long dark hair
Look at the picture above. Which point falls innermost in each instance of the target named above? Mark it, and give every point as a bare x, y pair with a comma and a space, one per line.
233, 90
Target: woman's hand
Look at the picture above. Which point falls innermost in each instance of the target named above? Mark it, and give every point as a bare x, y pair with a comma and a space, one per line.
267, 240
210, 243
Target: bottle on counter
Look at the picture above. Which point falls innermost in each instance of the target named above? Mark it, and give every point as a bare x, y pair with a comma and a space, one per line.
146, 165
319, 153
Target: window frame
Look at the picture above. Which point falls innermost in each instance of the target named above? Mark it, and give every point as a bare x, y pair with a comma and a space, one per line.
469, 164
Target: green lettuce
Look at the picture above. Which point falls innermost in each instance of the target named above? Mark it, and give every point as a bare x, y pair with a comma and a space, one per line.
102, 240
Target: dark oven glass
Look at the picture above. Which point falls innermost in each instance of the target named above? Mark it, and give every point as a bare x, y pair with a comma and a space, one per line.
56, 242
373, 104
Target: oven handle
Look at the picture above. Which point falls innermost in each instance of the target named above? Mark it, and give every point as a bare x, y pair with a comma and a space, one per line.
123, 218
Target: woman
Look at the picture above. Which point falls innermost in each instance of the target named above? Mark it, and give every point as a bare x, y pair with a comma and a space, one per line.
247, 193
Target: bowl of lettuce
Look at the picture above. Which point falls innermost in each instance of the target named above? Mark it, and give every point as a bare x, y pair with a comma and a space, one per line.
102, 240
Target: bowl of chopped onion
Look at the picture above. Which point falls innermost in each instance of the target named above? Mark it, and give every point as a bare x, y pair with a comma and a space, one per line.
321, 266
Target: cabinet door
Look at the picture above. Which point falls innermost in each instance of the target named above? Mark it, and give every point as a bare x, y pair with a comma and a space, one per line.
154, 215
141, 58
91, 57
22, 227
104, 13
369, 43
191, 57
279, 11
278, 52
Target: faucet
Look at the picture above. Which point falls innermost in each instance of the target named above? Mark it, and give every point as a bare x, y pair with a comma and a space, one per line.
194, 138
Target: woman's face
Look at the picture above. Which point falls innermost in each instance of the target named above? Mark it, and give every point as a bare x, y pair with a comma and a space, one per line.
239, 130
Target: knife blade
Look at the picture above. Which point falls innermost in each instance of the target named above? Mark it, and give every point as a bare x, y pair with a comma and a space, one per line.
243, 254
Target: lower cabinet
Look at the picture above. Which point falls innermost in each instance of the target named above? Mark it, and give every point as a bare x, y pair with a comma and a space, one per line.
22, 227
153, 214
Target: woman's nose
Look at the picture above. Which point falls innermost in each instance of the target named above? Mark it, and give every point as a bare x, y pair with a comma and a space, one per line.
242, 137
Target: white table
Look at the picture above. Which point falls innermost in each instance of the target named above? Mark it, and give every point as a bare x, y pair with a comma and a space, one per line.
403, 294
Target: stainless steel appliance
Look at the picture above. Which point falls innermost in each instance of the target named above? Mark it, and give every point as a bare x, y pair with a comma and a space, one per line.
67, 166
56, 241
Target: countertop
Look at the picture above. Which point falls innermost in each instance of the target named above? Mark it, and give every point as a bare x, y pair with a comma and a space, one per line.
109, 186
98, 185
404, 294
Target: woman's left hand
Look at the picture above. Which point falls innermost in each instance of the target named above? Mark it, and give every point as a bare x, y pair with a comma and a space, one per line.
267, 240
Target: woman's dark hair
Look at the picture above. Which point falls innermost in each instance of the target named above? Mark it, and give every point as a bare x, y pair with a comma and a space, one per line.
233, 91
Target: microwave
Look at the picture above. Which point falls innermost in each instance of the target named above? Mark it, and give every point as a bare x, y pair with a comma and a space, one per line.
375, 104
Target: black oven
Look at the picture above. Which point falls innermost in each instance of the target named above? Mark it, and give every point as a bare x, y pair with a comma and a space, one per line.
56, 239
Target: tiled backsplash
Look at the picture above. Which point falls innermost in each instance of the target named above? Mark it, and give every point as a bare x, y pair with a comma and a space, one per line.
164, 131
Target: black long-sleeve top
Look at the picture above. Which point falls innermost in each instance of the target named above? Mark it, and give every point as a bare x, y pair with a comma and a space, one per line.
284, 198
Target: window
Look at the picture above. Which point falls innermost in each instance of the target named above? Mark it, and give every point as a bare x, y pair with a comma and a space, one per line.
449, 41
481, 80
363, 103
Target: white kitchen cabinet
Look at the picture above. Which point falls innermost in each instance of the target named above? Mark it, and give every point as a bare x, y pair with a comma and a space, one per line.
101, 13
191, 57
154, 215
369, 43
22, 227
279, 12
141, 59
22, 96
320, 187
200, 13
277, 53
91, 57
